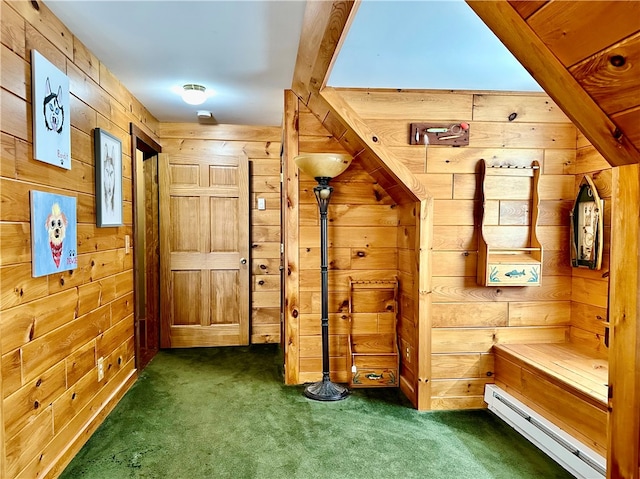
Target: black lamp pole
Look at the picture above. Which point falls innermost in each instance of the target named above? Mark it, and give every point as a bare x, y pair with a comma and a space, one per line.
324, 390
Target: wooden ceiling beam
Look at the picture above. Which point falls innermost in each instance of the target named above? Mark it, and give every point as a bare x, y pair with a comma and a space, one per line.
553, 77
324, 27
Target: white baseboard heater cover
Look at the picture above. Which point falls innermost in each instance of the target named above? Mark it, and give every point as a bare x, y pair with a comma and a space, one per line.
574, 456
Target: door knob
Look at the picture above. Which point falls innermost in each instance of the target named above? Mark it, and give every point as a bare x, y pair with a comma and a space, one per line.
243, 260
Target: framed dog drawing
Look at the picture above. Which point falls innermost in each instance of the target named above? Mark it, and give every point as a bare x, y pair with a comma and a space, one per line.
54, 233
108, 156
51, 113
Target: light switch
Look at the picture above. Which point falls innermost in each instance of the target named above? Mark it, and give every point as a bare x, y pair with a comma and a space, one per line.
262, 204
127, 244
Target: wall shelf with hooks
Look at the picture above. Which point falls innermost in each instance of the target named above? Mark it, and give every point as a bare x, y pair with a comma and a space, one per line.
509, 198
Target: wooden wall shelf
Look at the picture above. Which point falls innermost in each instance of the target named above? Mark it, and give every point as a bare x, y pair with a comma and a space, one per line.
505, 190
373, 338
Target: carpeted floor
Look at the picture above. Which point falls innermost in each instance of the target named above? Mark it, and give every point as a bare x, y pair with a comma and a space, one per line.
224, 413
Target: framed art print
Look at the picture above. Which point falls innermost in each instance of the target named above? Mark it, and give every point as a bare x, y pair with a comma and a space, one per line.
54, 237
50, 105
108, 156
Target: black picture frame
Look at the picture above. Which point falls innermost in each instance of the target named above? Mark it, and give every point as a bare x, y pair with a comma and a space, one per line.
108, 167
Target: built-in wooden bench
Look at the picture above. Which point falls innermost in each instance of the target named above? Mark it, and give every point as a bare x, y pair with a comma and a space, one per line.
565, 382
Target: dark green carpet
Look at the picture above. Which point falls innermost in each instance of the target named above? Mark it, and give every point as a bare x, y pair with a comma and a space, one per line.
224, 413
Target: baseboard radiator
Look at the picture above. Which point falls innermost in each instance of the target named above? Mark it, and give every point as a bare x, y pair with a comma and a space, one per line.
575, 457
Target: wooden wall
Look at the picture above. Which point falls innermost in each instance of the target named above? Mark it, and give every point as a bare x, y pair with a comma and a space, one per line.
590, 288
408, 340
363, 237
467, 319
54, 328
262, 146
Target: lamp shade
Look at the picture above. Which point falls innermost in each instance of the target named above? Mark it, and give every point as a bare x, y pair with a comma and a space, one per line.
323, 165
194, 94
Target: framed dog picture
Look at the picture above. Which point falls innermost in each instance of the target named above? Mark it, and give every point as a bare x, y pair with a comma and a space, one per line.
51, 113
54, 237
108, 155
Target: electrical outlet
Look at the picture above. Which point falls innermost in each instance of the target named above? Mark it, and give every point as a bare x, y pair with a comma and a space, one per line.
262, 204
407, 354
100, 369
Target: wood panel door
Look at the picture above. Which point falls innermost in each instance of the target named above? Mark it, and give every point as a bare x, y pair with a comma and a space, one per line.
204, 248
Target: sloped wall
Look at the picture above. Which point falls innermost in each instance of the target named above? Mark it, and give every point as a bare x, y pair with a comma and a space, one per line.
54, 328
363, 245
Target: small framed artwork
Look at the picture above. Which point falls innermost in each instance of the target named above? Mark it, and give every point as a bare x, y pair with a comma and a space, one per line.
108, 156
50, 105
54, 237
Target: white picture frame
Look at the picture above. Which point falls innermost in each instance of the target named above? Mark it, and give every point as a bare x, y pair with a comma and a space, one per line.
51, 112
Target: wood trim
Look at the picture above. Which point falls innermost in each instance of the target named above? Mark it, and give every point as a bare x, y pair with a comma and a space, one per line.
424, 256
142, 141
623, 458
2, 445
561, 86
104, 409
401, 174
244, 249
197, 131
290, 212
166, 289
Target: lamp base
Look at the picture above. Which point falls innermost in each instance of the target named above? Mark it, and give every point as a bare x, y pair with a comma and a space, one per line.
326, 391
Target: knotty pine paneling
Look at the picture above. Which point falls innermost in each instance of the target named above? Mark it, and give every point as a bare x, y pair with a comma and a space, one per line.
262, 146
408, 327
590, 288
365, 243
468, 319
54, 328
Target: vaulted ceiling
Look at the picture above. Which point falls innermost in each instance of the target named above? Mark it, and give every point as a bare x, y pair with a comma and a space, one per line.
584, 54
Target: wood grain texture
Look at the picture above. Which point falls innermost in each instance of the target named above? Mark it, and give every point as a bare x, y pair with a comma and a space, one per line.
624, 424
575, 31
324, 27
551, 398
292, 301
50, 325
614, 87
403, 177
541, 59
423, 298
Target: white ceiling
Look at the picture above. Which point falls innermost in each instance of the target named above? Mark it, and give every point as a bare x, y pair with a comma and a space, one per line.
246, 51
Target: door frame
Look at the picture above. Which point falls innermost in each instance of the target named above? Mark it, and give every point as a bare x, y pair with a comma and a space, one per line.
149, 147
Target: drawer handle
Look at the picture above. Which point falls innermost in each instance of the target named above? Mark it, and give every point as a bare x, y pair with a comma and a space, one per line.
373, 376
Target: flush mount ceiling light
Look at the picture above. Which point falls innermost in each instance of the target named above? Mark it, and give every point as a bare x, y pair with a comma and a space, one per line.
193, 94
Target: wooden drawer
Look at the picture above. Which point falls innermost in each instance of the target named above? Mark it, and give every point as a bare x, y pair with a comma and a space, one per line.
374, 378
